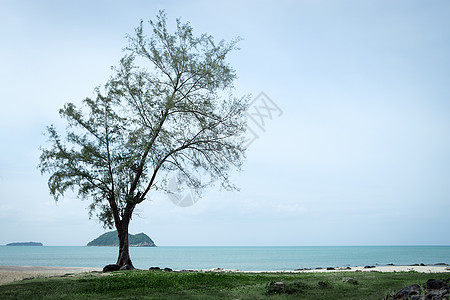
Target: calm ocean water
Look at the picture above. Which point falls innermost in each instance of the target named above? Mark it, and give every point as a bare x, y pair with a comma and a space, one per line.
242, 258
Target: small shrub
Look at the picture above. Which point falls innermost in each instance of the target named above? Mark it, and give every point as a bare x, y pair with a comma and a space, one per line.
285, 288
324, 284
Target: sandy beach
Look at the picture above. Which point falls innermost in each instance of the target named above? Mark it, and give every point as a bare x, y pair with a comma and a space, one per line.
10, 274
420, 269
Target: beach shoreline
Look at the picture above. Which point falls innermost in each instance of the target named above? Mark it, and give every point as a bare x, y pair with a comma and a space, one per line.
9, 274
383, 269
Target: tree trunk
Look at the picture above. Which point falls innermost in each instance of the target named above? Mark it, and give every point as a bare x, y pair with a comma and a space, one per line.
124, 246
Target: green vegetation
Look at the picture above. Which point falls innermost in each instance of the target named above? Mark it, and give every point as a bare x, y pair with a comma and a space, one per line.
25, 244
197, 285
111, 239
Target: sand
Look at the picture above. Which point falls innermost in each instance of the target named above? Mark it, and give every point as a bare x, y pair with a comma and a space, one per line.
10, 274
420, 269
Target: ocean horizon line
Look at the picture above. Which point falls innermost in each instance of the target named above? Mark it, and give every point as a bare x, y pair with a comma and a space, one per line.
228, 257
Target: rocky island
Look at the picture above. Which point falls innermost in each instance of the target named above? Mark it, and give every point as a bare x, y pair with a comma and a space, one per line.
25, 244
110, 239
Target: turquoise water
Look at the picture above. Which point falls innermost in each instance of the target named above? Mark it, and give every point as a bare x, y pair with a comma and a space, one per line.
242, 258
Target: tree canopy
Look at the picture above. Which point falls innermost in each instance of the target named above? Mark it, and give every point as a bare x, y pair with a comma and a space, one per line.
167, 109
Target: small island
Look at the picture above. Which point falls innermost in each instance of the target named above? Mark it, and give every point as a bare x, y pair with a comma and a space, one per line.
25, 244
110, 239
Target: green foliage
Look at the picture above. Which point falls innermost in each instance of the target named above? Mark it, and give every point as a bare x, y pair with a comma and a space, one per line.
170, 285
111, 239
25, 244
167, 109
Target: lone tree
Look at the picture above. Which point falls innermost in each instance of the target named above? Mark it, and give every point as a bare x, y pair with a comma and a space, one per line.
167, 110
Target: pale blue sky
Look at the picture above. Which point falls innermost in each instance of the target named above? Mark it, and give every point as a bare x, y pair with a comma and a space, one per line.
360, 155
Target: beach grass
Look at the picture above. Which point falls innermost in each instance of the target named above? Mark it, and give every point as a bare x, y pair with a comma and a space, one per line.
139, 284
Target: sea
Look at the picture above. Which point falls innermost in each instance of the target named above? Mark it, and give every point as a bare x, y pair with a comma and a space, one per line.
235, 258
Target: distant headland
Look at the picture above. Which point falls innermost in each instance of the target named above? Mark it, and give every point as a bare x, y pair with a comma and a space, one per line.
111, 239
25, 244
